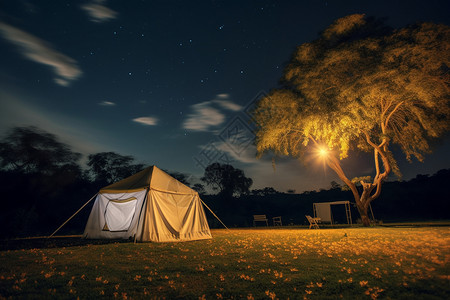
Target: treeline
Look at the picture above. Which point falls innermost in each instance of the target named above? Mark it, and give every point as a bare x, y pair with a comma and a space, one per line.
423, 198
43, 183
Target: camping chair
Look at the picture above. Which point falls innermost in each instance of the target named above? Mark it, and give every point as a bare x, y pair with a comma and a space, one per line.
312, 222
260, 218
277, 221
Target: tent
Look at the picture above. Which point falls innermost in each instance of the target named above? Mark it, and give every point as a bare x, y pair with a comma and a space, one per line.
148, 206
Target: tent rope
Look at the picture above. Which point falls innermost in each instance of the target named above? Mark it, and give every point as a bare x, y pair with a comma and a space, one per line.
72, 216
214, 214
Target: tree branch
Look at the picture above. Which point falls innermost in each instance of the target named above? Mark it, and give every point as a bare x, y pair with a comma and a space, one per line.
377, 165
378, 180
391, 113
334, 164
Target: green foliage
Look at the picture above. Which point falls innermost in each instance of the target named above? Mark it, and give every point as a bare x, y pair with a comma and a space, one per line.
361, 77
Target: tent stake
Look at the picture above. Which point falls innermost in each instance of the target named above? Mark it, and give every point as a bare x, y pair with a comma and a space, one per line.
213, 213
72, 216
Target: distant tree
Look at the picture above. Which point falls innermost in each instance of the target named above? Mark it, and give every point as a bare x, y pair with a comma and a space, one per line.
257, 192
199, 188
335, 185
290, 191
32, 150
109, 167
267, 191
181, 177
226, 179
361, 86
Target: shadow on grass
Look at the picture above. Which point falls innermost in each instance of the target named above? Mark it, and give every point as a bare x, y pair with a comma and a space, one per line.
54, 242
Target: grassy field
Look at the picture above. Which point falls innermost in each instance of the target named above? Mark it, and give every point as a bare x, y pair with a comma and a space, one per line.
351, 263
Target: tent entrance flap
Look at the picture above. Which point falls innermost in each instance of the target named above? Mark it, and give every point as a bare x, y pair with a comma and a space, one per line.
120, 213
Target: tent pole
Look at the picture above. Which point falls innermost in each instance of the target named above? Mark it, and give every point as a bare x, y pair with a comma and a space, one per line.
213, 213
72, 216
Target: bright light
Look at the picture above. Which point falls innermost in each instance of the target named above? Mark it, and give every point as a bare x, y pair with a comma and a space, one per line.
323, 152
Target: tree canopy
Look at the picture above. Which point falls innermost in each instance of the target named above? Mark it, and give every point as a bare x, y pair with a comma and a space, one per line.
32, 150
361, 86
109, 167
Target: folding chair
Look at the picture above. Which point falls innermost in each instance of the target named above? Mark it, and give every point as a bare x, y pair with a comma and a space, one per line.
312, 222
277, 221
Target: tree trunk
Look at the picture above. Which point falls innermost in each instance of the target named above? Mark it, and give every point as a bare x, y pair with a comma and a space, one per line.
364, 217
363, 206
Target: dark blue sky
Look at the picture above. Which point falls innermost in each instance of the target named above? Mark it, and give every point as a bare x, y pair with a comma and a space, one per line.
170, 82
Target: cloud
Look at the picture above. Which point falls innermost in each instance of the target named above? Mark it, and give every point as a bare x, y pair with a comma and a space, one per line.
98, 12
37, 50
151, 121
107, 103
209, 114
203, 117
228, 105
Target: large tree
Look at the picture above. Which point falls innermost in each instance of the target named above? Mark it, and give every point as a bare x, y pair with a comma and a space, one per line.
361, 86
226, 179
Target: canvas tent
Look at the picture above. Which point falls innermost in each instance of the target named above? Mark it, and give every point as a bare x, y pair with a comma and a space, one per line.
148, 206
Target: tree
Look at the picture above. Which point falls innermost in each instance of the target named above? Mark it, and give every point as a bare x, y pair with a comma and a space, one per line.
267, 191
361, 86
181, 177
109, 167
199, 188
335, 185
31, 150
228, 180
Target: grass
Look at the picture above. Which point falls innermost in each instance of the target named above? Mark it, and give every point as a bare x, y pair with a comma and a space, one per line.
350, 263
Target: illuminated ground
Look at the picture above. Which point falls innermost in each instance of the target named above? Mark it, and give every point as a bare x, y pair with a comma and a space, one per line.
243, 263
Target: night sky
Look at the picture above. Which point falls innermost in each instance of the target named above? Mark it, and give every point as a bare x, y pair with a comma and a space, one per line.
171, 82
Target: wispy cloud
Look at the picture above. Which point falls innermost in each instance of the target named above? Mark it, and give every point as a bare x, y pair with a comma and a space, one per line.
37, 50
203, 117
247, 155
107, 103
150, 121
98, 12
209, 114
228, 105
